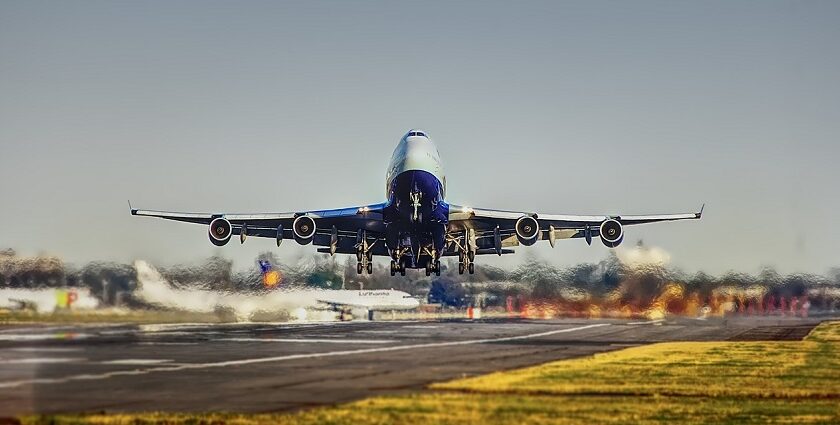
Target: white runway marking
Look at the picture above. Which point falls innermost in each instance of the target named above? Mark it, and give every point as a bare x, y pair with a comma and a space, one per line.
647, 322
40, 360
420, 327
328, 341
45, 349
136, 361
194, 366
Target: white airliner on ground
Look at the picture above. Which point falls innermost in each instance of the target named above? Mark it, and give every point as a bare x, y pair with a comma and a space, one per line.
415, 226
367, 299
153, 289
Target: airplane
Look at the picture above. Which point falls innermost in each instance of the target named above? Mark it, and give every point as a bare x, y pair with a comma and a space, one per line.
369, 300
154, 289
415, 226
340, 299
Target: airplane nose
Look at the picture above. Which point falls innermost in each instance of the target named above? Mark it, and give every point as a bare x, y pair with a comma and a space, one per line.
416, 149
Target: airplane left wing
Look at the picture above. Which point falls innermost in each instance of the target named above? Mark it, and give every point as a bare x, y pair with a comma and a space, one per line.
340, 230
490, 231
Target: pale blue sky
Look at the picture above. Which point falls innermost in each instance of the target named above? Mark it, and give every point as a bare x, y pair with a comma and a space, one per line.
556, 107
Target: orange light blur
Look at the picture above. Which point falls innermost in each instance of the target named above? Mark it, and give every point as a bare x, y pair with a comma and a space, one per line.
272, 278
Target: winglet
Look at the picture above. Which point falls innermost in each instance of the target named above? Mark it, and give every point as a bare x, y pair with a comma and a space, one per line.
700, 214
133, 211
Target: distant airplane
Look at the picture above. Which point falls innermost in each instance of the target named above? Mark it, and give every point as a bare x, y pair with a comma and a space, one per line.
153, 289
415, 226
368, 299
47, 300
346, 299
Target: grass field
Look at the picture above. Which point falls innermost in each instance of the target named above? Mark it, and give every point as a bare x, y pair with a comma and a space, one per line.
691, 382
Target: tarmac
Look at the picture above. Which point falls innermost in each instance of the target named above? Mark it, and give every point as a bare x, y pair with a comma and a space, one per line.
262, 367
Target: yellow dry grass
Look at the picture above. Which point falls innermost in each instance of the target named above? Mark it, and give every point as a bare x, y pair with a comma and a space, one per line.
720, 382
804, 369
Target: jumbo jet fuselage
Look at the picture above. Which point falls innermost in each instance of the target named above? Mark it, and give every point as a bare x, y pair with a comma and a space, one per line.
416, 215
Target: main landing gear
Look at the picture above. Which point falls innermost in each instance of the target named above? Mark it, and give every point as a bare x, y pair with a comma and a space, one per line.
466, 248
397, 267
433, 267
405, 257
366, 265
399, 258
364, 254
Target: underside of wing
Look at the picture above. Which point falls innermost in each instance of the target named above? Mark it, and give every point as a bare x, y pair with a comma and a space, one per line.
338, 229
491, 231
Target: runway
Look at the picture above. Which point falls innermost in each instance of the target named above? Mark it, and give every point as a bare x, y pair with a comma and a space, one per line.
263, 367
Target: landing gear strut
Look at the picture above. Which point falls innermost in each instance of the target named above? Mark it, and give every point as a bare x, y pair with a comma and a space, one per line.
364, 254
466, 252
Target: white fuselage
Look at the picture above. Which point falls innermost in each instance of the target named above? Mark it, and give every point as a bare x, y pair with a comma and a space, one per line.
370, 299
415, 153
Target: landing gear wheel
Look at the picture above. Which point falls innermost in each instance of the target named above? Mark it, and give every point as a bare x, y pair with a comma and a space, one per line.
359, 256
402, 269
393, 268
429, 268
472, 268
358, 268
471, 256
369, 268
461, 268
437, 267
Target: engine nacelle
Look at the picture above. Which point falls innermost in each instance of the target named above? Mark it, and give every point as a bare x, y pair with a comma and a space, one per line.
612, 233
220, 231
304, 229
527, 230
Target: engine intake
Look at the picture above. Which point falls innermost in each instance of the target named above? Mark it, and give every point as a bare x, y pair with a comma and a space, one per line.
612, 233
220, 231
527, 230
304, 229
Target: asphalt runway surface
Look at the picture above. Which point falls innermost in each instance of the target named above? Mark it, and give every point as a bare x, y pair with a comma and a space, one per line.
260, 367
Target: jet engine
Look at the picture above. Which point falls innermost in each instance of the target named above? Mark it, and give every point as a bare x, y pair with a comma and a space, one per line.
612, 233
220, 231
304, 229
527, 230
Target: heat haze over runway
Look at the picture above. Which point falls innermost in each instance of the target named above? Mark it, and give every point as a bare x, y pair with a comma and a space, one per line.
262, 367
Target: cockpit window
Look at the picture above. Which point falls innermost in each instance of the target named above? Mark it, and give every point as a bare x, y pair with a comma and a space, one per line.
420, 133
417, 133
413, 133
